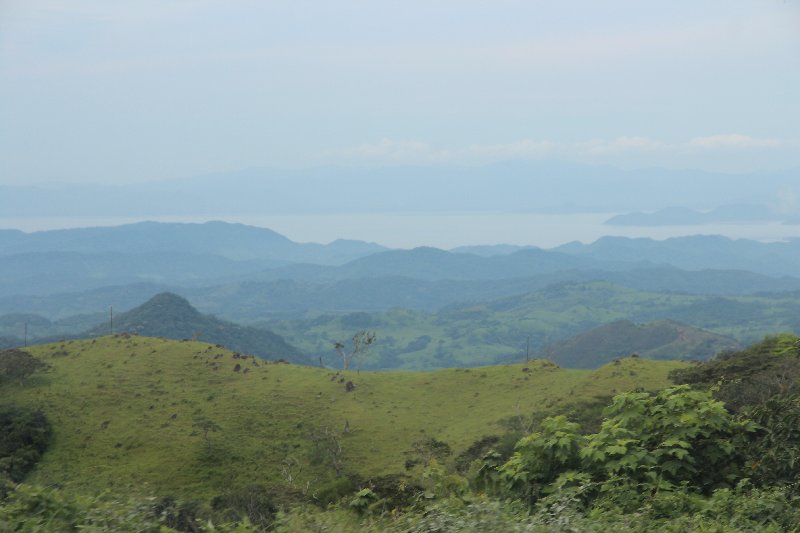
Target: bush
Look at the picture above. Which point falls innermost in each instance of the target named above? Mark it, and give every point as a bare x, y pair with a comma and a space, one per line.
24, 436
18, 364
333, 491
178, 515
254, 502
648, 443
772, 454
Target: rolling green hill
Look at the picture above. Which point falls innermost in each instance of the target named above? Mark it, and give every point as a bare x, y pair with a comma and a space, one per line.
497, 331
170, 316
129, 414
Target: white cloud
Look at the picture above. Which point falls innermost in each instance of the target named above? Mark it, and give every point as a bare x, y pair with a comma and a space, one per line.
734, 141
524, 149
620, 145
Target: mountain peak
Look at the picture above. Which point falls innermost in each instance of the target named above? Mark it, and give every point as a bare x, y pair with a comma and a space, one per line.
171, 316
168, 298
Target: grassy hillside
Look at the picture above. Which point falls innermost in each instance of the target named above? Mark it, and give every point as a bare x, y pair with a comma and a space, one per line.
125, 412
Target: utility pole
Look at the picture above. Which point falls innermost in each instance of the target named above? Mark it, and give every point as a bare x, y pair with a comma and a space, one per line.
111, 318
528, 350
26, 334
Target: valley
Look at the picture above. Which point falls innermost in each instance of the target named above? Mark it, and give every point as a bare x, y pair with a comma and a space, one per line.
217, 392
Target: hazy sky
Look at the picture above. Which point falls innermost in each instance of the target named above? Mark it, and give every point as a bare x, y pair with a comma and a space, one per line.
127, 91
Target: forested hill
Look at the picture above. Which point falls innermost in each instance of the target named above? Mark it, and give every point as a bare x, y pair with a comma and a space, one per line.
660, 339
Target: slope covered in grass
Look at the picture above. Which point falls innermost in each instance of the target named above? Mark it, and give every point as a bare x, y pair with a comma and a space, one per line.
128, 414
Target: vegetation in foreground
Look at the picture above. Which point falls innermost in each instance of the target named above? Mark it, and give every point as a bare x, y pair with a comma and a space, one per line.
674, 459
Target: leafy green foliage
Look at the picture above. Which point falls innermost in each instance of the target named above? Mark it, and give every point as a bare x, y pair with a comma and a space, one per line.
24, 436
362, 500
677, 436
541, 457
425, 450
772, 455
647, 443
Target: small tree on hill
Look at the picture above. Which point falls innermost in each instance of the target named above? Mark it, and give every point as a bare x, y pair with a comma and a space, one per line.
354, 348
206, 426
327, 448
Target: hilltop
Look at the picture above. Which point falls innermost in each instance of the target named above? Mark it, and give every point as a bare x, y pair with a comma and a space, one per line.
125, 412
660, 339
173, 317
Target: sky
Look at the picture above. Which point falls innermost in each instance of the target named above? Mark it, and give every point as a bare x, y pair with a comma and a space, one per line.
93, 91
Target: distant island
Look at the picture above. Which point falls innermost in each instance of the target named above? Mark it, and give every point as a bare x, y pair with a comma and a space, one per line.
682, 216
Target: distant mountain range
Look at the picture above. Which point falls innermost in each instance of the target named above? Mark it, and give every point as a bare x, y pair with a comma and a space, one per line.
186, 256
235, 242
247, 273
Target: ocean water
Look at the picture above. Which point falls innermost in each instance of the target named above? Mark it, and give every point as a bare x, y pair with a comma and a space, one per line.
442, 230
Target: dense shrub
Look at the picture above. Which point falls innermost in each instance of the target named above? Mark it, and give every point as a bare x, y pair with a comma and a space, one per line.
253, 502
18, 365
333, 490
648, 443
24, 436
772, 455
